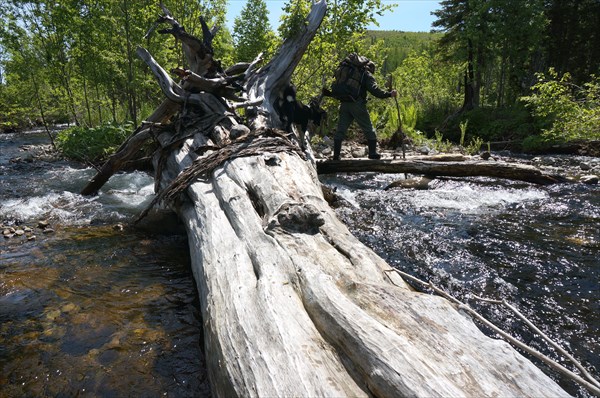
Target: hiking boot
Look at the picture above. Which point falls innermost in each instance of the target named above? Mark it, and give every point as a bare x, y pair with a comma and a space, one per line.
373, 150
337, 149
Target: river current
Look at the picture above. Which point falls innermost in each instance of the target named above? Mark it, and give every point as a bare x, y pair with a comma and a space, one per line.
92, 307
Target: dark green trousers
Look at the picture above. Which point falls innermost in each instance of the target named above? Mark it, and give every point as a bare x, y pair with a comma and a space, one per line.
354, 111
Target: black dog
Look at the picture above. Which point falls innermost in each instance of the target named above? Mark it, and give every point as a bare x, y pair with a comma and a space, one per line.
292, 111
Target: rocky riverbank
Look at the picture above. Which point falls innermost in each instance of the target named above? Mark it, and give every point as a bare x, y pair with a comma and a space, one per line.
25, 232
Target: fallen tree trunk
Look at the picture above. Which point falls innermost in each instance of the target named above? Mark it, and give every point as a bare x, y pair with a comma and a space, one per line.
510, 171
292, 303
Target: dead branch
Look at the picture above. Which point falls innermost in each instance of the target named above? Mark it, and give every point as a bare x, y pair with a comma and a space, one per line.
129, 149
254, 144
550, 362
561, 350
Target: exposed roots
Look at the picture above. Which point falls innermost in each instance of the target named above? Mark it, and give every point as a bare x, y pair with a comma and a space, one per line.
255, 143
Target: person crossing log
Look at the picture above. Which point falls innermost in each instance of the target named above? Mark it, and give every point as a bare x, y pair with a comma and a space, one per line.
292, 303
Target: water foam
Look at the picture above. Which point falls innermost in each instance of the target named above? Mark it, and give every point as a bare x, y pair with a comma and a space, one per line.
123, 196
62, 206
469, 199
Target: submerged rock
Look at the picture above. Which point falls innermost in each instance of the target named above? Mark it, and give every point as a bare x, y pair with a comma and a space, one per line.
17, 232
419, 183
589, 179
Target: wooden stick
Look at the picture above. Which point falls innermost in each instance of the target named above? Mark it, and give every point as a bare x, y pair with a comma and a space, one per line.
560, 368
561, 350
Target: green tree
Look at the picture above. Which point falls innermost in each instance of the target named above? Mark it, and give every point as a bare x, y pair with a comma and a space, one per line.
573, 37
495, 49
429, 84
342, 31
400, 45
466, 27
572, 112
85, 61
517, 48
26, 77
252, 33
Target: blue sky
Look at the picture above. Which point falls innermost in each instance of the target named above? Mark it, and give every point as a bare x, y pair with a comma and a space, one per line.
408, 15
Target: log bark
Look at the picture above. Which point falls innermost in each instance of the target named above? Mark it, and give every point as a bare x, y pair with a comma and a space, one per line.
471, 168
292, 303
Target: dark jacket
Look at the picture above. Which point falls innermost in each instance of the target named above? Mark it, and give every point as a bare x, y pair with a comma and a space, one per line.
370, 85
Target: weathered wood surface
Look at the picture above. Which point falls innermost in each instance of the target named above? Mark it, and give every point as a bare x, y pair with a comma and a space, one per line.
469, 168
293, 305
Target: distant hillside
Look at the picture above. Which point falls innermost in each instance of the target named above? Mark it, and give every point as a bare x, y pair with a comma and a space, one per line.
400, 44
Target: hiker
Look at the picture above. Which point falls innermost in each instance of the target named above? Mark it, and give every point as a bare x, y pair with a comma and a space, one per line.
354, 79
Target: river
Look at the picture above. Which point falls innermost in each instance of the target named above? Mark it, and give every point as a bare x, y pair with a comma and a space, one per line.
93, 307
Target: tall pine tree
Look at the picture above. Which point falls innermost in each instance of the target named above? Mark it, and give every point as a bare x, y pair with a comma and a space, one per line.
252, 33
465, 24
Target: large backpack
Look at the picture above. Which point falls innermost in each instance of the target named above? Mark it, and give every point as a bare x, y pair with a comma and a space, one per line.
348, 78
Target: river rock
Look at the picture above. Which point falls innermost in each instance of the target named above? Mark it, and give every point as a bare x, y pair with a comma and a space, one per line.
52, 314
68, 307
589, 179
118, 227
359, 152
418, 183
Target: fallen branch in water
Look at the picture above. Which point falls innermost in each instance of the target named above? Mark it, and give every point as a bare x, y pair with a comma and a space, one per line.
590, 386
561, 350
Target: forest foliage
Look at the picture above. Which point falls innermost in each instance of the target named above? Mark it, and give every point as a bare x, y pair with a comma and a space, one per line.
478, 76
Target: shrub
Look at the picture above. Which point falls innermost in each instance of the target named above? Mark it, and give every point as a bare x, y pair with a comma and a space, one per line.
535, 144
573, 111
494, 124
94, 144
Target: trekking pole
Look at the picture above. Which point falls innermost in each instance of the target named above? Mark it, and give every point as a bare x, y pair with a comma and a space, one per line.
400, 131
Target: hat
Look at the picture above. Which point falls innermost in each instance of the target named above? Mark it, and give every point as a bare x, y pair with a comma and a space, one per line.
371, 66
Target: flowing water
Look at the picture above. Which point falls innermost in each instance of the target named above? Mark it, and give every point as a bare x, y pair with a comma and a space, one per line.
94, 309
536, 247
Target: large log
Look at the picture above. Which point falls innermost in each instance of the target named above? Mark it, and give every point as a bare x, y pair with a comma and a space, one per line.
470, 168
292, 303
